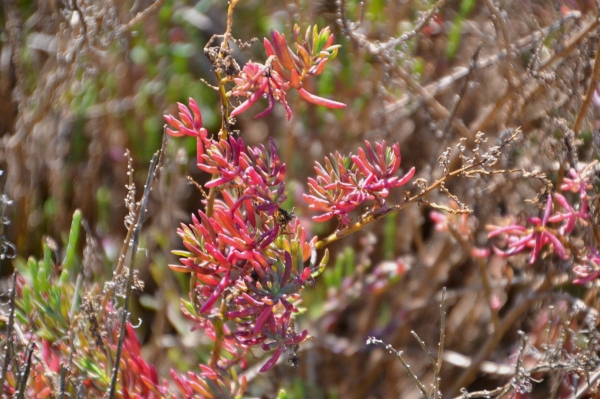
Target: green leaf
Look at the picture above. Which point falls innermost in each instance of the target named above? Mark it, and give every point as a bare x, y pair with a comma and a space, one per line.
26, 301
466, 6
314, 273
46, 334
189, 307
389, 236
282, 394
350, 263
337, 271
71, 247
21, 318
93, 371
183, 254
454, 38
45, 270
33, 269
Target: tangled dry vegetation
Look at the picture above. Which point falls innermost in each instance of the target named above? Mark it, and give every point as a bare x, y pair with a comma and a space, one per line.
83, 80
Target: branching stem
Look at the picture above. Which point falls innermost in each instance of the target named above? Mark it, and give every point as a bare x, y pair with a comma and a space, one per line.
373, 216
134, 246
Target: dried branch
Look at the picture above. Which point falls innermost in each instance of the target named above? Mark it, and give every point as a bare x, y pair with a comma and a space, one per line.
379, 53
519, 47
390, 348
501, 26
65, 369
14, 27
11, 320
486, 394
461, 94
571, 43
134, 246
393, 42
507, 322
590, 92
583, 390
141, 212
232, 4
373, 216
130, 231
140, 17
441, 111
485, 281
488, 116
109, 290
24, 374
438, 365
425, 349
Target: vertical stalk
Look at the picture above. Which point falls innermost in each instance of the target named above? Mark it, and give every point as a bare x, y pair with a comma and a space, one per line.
24, 374
11, 319
134, 246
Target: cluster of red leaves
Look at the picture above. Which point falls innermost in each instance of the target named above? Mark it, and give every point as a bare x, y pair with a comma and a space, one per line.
247, 256
553, 229
345, 183
138, 379
285, 69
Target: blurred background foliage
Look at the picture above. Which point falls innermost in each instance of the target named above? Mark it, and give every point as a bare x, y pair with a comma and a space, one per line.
81, 91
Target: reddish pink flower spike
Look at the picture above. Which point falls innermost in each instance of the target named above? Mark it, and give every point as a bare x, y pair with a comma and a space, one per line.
256, 81
536, 238
283, 70
243, 107
190, 124
339, 187
589, 269
571, 216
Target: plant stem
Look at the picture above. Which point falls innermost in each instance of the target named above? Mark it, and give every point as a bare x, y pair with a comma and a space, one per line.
11, 318
134, 246
374, 216
589, 94
25, 373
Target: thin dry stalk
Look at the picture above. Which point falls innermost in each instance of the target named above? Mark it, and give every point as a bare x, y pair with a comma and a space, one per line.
11, 320
121, 262
425, 349
438, 366
134, 246
501, 26
371, 216
439, 110
232, 4
469, 374
407, 367
392, 43
13, 28
590, 92
65, 369
584, 389
140, 17
24, 374
571, 44
519, 47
